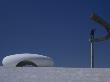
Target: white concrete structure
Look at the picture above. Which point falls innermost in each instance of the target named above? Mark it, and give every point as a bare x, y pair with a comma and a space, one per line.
21, 60
54, 74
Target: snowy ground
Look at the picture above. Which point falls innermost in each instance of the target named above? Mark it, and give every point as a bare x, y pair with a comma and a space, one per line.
54, 74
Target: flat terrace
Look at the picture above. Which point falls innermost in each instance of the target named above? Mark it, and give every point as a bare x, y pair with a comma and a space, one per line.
54, 74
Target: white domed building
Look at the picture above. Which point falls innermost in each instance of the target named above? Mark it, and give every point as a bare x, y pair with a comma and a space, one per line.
27, 60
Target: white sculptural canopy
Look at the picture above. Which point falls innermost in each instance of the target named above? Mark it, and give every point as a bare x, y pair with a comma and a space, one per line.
27, 59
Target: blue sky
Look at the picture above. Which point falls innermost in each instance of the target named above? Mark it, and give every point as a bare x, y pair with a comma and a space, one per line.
56, 28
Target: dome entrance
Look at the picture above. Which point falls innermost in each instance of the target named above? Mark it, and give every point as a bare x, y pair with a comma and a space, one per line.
26, 64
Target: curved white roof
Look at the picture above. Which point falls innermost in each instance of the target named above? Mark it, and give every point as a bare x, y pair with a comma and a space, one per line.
40, 60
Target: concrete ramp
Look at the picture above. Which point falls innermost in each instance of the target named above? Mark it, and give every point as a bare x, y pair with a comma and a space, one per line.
54, 74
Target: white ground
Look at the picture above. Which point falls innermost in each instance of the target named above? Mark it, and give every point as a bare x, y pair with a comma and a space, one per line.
54, 74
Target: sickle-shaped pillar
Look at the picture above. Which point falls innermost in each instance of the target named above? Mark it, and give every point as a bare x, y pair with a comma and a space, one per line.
102, 22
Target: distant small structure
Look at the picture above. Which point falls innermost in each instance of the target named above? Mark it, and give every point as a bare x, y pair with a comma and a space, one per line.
27, 60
